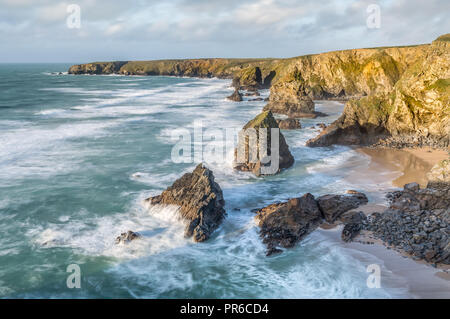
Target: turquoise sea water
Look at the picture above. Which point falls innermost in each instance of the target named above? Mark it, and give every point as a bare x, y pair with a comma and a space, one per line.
79, 154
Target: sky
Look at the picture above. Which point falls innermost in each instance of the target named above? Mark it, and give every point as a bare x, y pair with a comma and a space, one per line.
47, 30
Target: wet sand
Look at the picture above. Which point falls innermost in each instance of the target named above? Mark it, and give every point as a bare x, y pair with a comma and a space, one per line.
408, 165
416, 279
396, 168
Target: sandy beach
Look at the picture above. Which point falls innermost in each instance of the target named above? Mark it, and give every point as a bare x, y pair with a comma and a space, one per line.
398, 167
401, 166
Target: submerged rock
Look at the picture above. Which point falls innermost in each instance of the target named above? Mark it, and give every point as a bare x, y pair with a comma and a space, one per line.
236, 96
332, 206
289, 124
127, 237
285, 224
200, 199
250, 147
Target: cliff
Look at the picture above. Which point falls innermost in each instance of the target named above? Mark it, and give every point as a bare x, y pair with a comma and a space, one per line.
415, 111
400, 93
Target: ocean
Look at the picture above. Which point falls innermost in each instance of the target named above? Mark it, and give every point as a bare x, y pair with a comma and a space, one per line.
79, 154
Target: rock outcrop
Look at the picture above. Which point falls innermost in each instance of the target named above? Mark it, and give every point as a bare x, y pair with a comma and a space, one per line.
289, 124
257, 136
249, 79
97, 68
289, 98
200, 200
125, 238
440, 172
398, 94
287, 223
333, 206
417, 222
236, 96
414, 112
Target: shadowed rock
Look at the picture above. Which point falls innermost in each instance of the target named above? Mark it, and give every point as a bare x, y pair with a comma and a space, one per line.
285, 224
236, 96
332, 206
289, 124
125, 238
354, 223
200, 199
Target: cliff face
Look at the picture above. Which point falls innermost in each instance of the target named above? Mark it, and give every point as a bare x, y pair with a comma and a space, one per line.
414, 111
394, 92
244, 69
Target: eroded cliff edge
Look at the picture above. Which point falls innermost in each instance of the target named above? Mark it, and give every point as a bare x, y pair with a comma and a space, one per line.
396, 93
414, 112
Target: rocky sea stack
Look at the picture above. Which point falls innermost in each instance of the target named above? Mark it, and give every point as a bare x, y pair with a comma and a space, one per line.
236, 96
250, 147
200, 200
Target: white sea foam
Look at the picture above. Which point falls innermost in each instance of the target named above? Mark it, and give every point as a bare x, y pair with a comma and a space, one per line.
160, 227
163, 263
44, 151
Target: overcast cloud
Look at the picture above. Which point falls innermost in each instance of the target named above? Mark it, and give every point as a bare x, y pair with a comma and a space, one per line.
36, 30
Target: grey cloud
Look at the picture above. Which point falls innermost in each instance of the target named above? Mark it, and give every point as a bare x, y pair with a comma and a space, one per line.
141, 29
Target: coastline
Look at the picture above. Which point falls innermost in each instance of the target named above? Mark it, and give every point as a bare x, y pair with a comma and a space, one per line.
397, 167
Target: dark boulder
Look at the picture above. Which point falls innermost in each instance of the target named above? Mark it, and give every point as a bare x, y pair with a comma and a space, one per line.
285, 224
236, 96
125, 238
332, 206
200, 199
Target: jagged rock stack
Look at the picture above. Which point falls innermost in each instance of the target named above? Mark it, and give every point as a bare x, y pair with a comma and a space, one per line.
200, 199
236, 96
251, 160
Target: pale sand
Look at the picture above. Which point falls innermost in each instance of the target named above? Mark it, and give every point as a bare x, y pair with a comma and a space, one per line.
396, 167
410, 165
